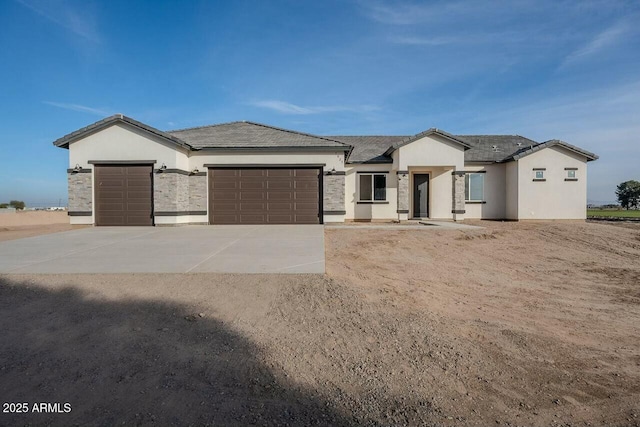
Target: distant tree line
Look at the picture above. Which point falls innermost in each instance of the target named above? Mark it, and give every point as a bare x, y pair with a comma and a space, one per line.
628, 194
17, 204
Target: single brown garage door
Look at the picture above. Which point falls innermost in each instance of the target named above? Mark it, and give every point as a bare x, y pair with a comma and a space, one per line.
124, 194
264, 196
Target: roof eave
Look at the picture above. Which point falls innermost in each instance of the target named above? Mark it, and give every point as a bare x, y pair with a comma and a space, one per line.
108, 121
274, 148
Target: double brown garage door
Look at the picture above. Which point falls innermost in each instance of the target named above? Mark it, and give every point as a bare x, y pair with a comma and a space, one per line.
264, 196
124, 194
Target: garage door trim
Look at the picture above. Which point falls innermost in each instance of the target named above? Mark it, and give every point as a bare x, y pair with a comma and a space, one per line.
98, 220
319, 167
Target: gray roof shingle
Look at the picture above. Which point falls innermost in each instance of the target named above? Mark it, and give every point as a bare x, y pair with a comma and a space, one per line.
372, 149
494, 148
553, 142
247, 135
369, 149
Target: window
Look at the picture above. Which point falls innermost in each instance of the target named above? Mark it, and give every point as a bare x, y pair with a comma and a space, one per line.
474, 187
571, 174
538, 174
373, 187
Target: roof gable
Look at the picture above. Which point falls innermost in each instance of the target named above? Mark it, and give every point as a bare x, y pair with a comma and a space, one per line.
428, 132
554, 143
110, 121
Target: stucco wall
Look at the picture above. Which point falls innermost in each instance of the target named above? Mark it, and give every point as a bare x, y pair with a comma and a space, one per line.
554, 198
370, 211
511, 190
495, 193
125, 142
431, 151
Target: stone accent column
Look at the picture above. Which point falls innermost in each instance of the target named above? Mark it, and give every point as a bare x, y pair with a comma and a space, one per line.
403, 195
80, 192
198, 193
165, 187
458, 189
333, 196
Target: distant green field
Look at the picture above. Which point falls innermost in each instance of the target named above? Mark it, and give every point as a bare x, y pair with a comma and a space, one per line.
614, 213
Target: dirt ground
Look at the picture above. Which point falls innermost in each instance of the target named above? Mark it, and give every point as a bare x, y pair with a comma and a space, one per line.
531, 324
32, 223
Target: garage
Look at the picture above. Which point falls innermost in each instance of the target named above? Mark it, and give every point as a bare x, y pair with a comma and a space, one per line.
265, 195
123, 194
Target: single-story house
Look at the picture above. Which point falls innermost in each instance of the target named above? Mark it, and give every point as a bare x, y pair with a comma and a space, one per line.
123, 172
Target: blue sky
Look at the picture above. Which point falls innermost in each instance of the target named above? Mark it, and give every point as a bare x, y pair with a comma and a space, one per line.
543, 69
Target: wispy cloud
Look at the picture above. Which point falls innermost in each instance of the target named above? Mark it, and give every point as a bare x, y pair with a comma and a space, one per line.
79, 108
289, 108
607, 38
62, 14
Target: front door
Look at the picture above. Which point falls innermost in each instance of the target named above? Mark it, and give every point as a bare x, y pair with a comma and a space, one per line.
421, 195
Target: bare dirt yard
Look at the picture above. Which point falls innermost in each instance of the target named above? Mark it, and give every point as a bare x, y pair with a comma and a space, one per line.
530, 324
32, 223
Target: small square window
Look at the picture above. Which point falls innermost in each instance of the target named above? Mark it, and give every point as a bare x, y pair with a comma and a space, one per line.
539, 174
571, 174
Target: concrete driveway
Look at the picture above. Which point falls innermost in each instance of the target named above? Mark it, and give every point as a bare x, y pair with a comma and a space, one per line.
189, 249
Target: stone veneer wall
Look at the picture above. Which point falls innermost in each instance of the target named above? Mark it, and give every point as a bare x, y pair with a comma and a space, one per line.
403, 192
80, 191
198, 193
170, 192
333, 197
458, 193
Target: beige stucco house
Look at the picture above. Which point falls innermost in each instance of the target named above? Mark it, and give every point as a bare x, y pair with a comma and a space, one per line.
123, 172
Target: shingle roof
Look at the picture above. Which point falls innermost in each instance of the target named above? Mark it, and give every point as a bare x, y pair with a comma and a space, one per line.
248, 135
372, 149
369, 149
553, 142
494, 148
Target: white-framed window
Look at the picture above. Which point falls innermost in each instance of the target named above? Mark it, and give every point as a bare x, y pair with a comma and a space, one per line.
538, 174
572, 174
474, 187
372, 187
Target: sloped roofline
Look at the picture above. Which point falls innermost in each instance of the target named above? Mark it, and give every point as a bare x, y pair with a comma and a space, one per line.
346, 146
551, 143
117, 118
428, 132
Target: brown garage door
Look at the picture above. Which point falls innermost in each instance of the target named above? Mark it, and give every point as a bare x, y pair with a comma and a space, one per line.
264, 196
124, 195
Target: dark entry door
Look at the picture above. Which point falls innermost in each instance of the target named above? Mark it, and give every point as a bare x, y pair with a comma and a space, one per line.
421, 195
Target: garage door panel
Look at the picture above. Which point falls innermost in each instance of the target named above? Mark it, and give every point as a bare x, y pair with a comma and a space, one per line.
252, 218
306, 207
252, 195
280, 218
280, 206
224, 185
280, 185
252, 206
252, 185
224, 195
226, 173
252, 173
307, 195
280, 173
123, 194
264, 196
306, 218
